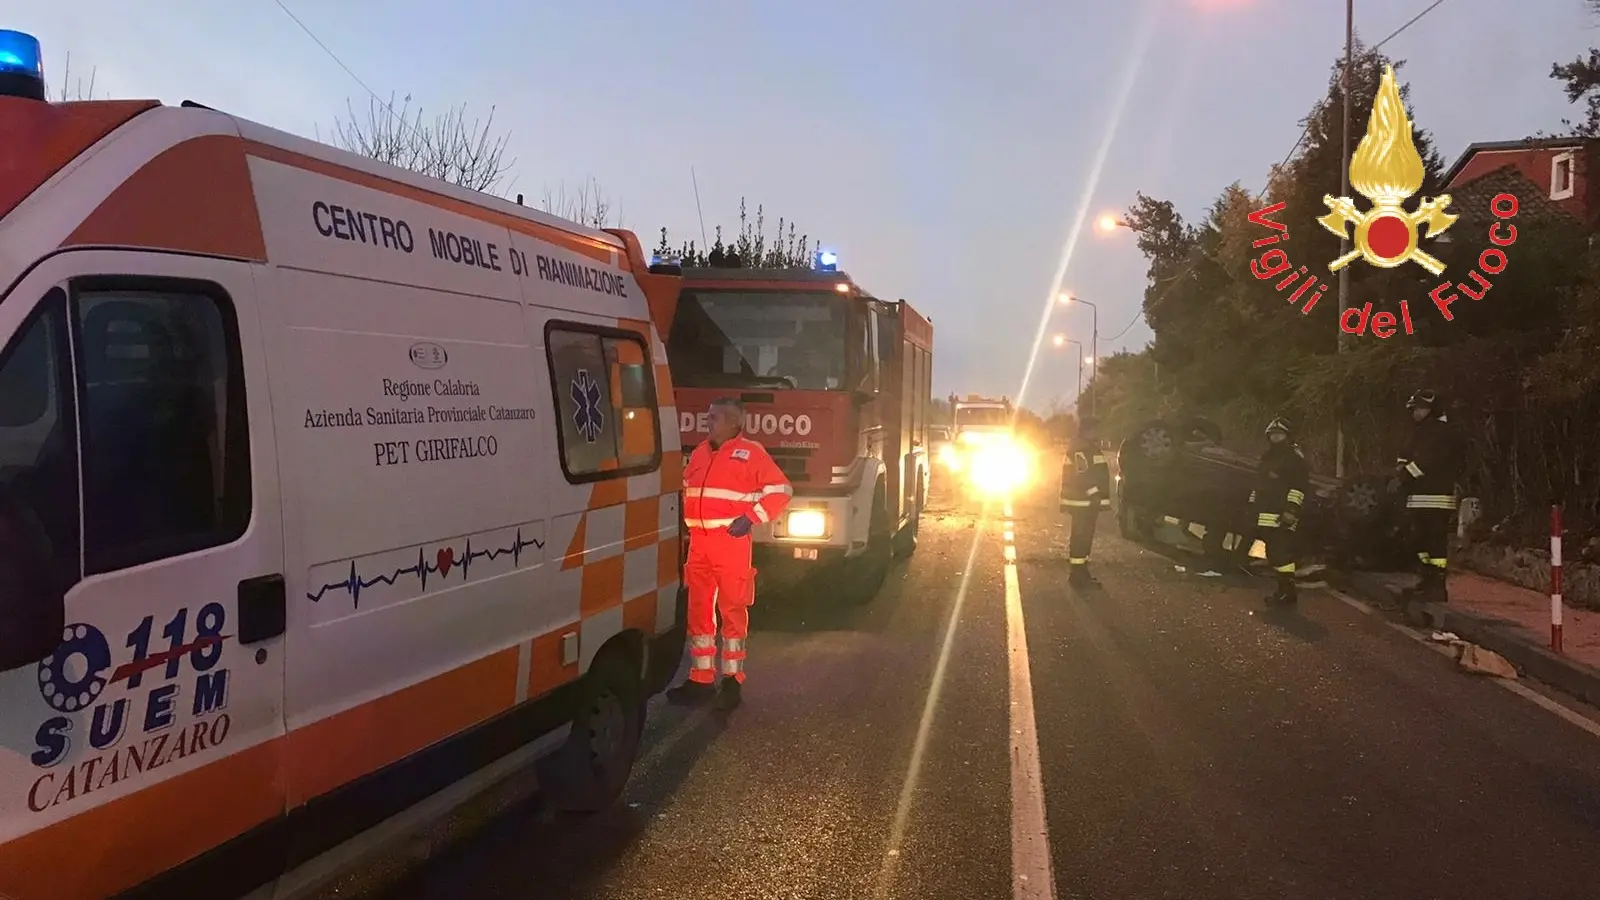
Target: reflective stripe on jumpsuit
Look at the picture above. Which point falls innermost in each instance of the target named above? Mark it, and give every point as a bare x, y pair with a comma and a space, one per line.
736, 479
721, 585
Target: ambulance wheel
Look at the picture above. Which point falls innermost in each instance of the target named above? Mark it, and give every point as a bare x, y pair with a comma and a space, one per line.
592, 767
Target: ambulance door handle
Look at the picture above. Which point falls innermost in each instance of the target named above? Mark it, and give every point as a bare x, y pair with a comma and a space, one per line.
263, 608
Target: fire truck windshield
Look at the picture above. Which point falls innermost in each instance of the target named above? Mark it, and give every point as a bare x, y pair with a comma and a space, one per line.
775, 339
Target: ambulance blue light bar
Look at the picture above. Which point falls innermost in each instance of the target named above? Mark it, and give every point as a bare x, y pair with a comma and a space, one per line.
827, 261
21, 66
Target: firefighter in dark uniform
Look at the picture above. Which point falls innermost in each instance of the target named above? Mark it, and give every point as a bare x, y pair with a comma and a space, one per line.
1085, 493
1281, 480
1426, 473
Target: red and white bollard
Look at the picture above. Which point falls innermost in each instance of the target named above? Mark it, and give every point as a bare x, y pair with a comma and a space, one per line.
1555, 578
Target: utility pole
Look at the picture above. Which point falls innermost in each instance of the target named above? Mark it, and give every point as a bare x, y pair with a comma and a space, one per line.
1344, 191
1079, 399
1094, 361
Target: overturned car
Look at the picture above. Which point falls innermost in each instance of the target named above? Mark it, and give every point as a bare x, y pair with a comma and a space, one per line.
1178, 472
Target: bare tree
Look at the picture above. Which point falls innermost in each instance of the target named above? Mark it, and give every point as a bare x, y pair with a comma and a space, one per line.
448, 147
588, 205
71, 90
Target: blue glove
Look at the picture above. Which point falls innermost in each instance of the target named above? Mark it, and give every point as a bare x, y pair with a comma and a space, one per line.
740, 526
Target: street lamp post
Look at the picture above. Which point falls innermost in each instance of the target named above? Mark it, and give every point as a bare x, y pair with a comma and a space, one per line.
1094, 346
1062, 341
1344, 242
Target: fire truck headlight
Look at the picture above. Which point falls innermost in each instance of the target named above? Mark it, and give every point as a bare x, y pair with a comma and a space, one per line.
947, 456
806, 523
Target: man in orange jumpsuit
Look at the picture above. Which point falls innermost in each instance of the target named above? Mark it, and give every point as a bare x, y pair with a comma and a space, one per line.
729, 485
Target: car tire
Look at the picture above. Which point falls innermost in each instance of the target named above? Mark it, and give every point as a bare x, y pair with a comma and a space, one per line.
1154, 444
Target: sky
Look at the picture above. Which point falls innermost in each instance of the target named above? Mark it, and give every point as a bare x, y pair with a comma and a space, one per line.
944, 148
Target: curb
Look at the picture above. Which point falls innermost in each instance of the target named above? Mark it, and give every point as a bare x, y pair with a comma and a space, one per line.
1533, 659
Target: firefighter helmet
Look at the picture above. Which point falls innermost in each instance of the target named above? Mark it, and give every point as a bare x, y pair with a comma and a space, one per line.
1278, 425
1423, 398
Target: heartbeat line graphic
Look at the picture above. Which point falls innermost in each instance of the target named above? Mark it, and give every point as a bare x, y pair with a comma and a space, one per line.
444, 560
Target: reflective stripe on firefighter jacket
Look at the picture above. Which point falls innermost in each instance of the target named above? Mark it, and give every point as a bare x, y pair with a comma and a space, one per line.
1431, 464
1085, 477
1282, 477
736, 479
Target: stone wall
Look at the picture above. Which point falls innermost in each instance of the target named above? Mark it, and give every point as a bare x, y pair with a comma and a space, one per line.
1580, 582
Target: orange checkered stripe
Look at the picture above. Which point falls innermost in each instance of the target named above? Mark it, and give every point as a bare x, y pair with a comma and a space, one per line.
624, 549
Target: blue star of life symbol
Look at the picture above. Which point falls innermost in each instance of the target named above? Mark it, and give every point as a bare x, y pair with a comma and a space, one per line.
586, 415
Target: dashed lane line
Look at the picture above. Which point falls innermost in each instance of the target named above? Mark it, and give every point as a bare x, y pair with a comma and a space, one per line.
1032, 874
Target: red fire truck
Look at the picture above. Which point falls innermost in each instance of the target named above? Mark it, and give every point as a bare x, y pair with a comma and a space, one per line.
836, 383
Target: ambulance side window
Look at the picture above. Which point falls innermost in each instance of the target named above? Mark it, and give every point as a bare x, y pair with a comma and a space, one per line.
606, 400
166, 449
38, 440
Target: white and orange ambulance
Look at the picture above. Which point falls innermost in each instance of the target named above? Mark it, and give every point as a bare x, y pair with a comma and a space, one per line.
323, 486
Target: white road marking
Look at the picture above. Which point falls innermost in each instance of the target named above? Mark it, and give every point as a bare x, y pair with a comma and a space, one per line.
1545, 703
1032, 874
1551, 706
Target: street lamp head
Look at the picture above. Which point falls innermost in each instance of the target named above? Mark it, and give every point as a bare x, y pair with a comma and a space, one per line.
1059, 340
1088, 360
1108, 222
1064, 297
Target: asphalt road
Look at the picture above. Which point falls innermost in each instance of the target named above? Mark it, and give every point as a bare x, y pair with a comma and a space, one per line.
1191, 746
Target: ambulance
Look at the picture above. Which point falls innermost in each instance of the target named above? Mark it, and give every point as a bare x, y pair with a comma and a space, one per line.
324, 486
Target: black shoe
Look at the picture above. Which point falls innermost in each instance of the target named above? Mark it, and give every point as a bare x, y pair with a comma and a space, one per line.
1285, 595
1282, 599
692, 693
728, 695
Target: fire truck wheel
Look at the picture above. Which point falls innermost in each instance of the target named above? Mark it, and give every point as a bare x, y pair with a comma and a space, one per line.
589, 771
867, 572
905, 543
